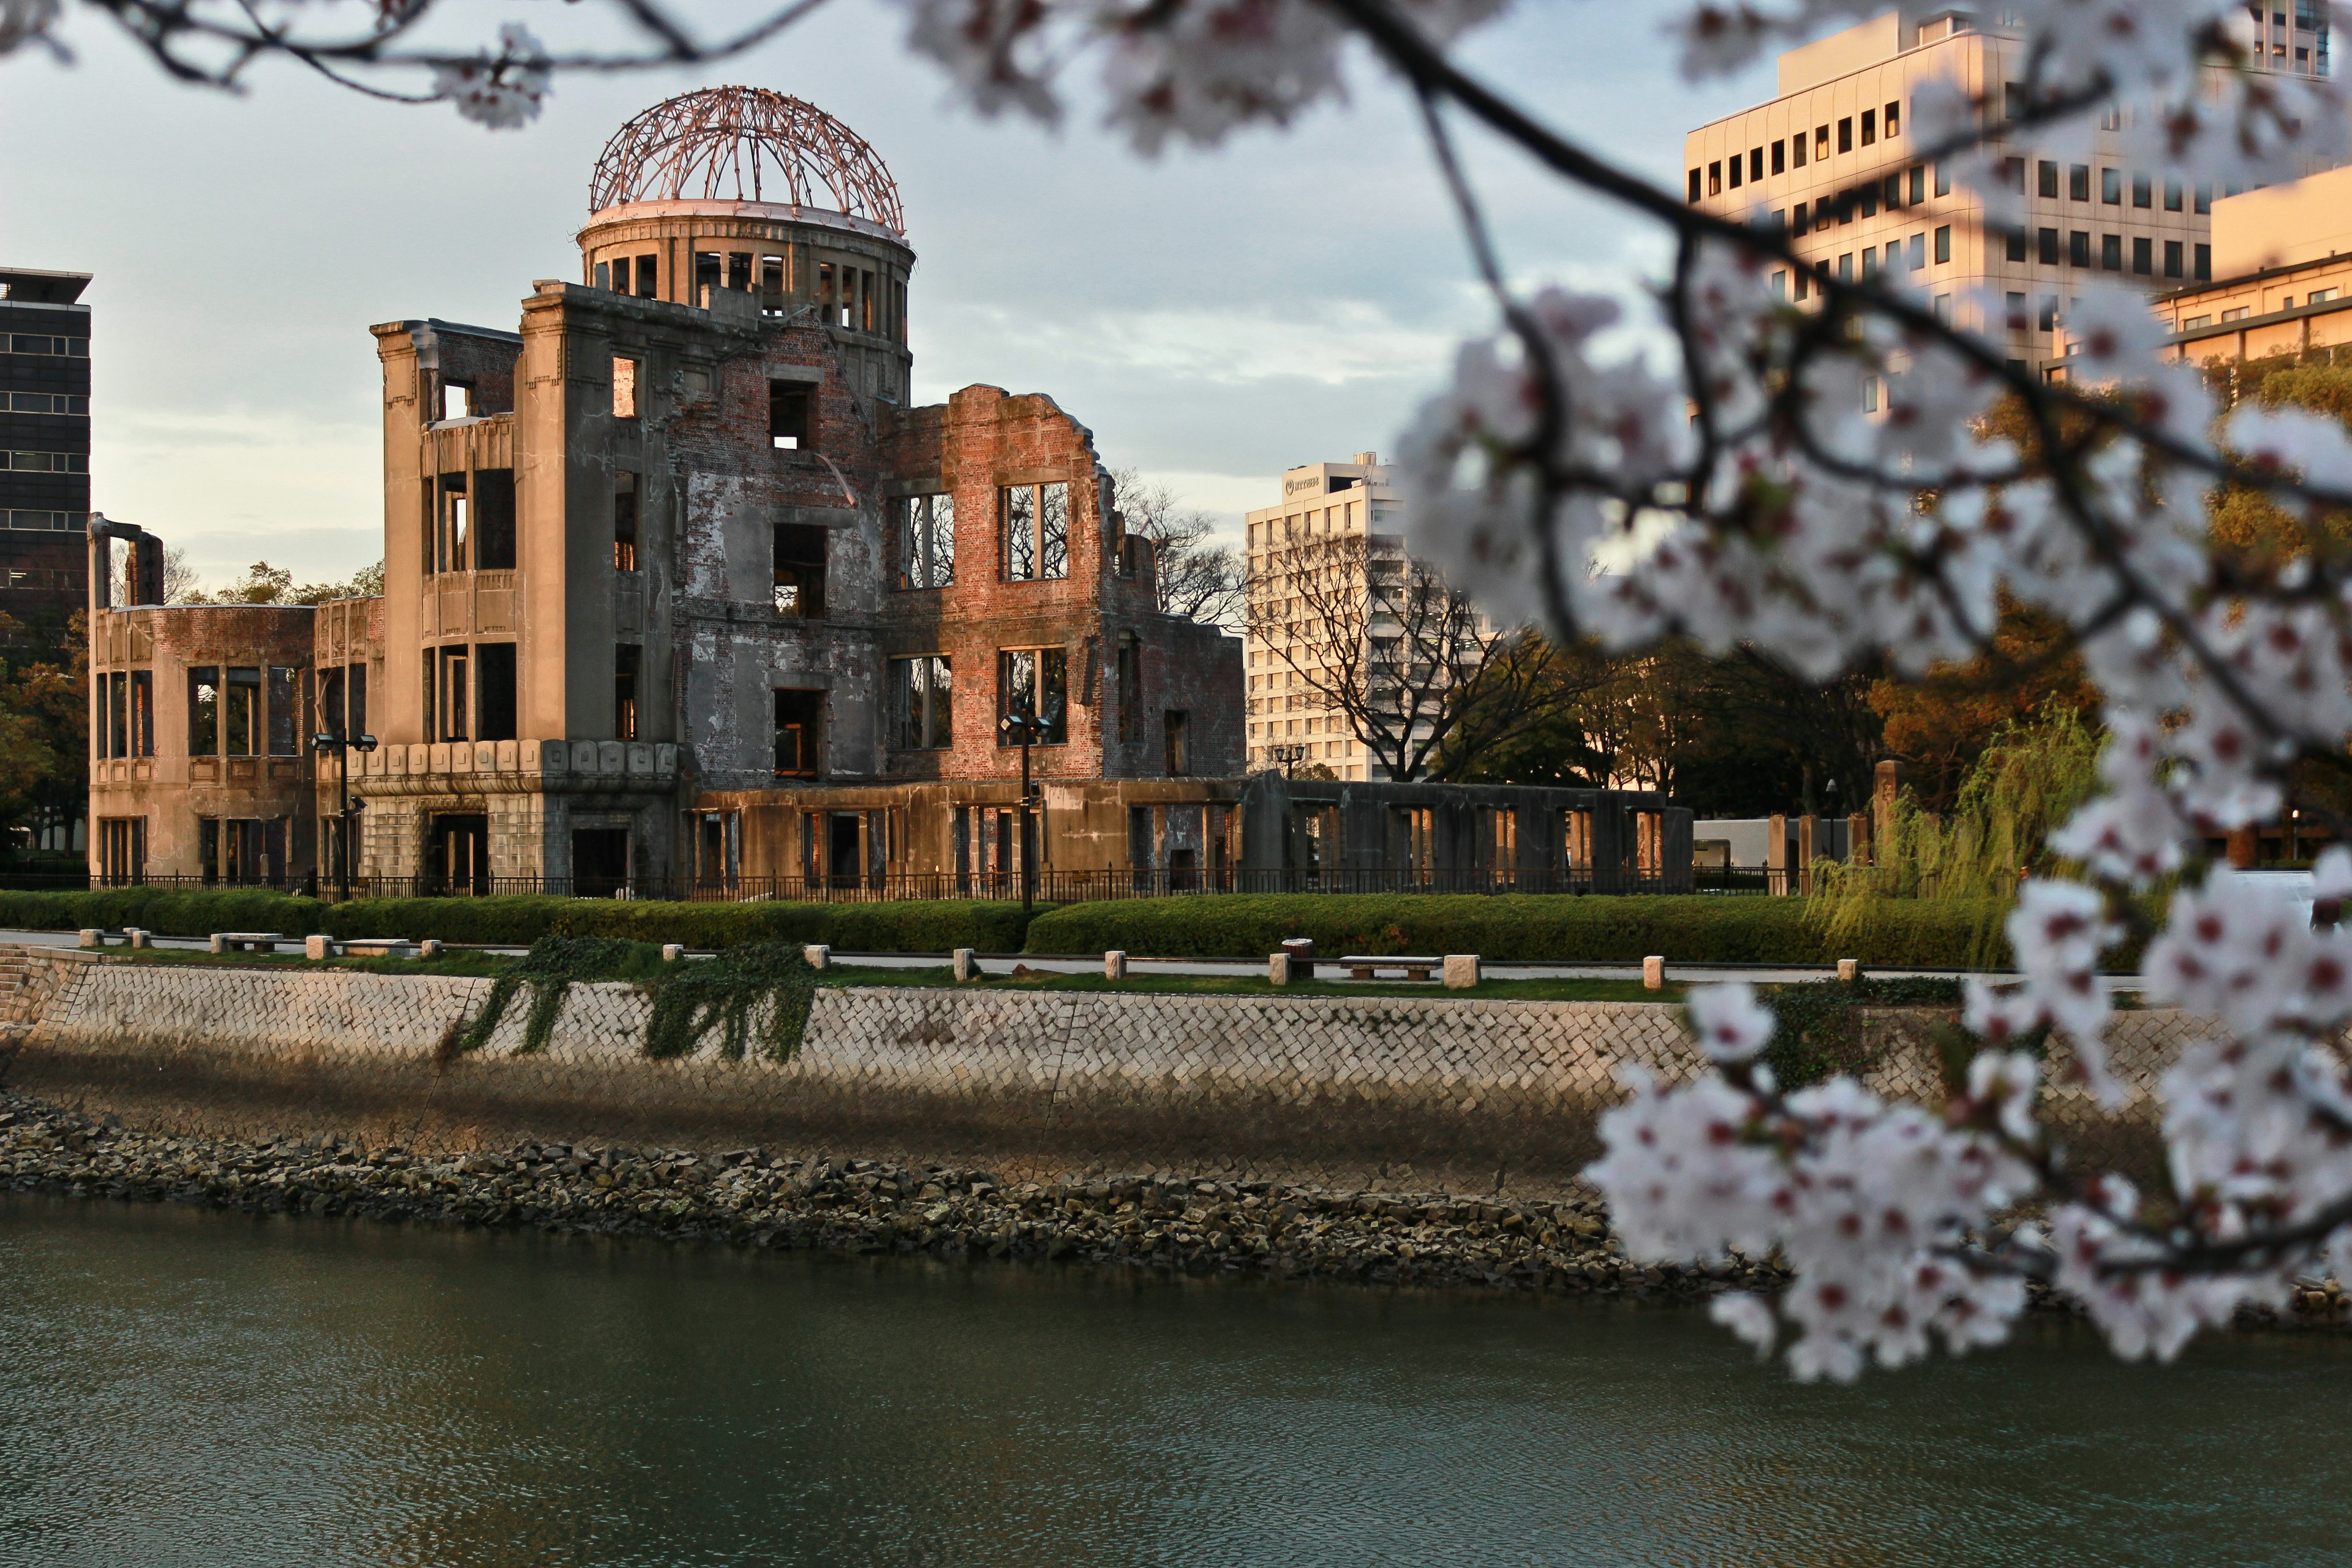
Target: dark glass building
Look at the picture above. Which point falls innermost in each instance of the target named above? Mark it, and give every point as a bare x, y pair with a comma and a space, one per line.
44, 455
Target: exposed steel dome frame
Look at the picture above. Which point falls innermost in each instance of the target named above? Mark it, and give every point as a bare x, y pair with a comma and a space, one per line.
745, 144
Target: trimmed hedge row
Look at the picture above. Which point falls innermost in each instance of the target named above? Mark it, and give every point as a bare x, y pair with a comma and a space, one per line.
910, 927
1593, 928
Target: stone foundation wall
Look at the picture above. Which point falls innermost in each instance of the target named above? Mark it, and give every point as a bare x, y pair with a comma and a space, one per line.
1465, 1095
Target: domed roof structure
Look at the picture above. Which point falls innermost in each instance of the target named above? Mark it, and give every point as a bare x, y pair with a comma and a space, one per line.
745, 144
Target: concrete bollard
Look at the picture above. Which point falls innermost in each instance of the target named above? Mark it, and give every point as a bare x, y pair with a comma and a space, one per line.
429, 948
140, 937
818, 954
1114, 965
672, 951
317, 947
90, 938
1849, 969
1462, 972
967, 963
1653, 973
220, 942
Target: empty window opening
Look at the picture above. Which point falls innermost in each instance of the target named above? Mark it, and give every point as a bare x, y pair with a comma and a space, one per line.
799, 555
453, 708
926, 541
1033, 682
494, 520
625, 388
495, 679
204, 711
122, 848
456, 400
452, 541
626, 658
282, 687
603, 275
708, 273
788, 416
800, 721
921, 703
738, 270
771, 283
625, 522
648, 276
241, 712
1131, 689
1178, 725
1037, 530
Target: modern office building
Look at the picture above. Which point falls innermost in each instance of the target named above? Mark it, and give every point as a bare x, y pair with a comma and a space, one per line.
1311, 616
44, 455
1835, 162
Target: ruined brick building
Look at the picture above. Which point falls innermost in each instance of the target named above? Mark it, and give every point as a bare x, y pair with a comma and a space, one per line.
679, 586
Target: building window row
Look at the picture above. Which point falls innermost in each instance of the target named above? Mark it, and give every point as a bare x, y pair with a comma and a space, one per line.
243, 711
470, 692
46, 462
125, 725
48, 403
1790, 152
33, 521
471, 524
62, 348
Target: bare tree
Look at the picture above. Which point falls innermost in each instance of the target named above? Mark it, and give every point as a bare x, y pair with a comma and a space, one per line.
1419, 676
1198, 578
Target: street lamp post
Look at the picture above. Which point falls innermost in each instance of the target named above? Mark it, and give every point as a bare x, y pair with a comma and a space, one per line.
325, 741
1288, 756
1024, 727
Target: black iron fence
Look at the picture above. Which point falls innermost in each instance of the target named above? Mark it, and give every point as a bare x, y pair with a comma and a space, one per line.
1049, 887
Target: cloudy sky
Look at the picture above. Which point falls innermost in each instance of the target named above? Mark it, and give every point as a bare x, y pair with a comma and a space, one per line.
1214, 318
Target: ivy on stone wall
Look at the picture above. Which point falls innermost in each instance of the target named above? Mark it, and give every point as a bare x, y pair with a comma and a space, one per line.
691, 998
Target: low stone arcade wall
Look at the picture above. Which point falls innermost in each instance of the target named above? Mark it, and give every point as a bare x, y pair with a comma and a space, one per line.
1465, 1095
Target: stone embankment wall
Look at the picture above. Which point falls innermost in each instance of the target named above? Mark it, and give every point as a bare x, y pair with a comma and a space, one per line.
1382, 1091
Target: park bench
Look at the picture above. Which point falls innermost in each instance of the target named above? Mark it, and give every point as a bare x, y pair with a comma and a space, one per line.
379, 947
247, 941
1364, 966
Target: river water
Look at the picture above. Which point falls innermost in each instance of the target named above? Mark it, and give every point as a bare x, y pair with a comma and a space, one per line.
182, 1387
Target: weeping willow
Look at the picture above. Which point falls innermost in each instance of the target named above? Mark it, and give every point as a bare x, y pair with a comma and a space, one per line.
2027, 782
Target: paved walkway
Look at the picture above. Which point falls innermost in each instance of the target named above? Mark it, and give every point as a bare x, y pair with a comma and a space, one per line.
1237, 968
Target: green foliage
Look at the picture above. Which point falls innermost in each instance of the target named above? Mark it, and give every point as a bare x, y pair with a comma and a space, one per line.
1817, 1025
551, 968
1696, 929
2026, 783
689, 997
692, 998
908, 927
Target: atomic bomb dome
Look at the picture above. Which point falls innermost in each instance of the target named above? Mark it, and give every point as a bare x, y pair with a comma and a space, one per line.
745, 147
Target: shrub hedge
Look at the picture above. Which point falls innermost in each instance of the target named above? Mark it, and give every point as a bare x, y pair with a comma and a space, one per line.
910, 927
1689, 930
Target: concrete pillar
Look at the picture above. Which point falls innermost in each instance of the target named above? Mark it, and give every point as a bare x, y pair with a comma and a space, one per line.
1654, 972
1114, 965
1805, 854
1776, 855
1462, 972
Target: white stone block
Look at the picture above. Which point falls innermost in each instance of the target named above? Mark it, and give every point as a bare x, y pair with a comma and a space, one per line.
429, 948
93, 938
1461, 971
1654, 972
672, 951
1278, 969
317, 947
1114, 965
967, 963
818, 954
1849, 969
140, 937
220, 942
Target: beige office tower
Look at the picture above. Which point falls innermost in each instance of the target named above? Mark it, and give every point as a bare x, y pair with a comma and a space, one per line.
1834, 159
1289, 639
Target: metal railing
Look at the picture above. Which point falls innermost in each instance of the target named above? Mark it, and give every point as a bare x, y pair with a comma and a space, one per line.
1051, 886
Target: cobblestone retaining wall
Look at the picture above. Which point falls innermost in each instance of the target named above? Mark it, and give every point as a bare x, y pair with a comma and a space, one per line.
1463, 1094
